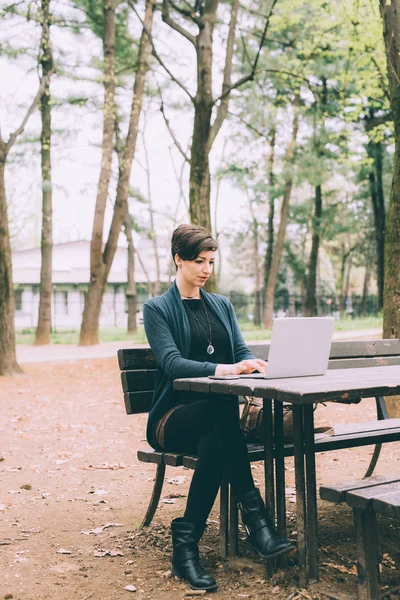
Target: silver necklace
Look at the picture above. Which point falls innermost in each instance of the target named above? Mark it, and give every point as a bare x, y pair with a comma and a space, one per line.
210, 347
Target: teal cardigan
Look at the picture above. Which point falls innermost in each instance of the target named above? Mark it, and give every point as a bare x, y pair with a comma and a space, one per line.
168, 333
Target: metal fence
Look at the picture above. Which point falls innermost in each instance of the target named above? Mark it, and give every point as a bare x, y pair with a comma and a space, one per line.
249, 307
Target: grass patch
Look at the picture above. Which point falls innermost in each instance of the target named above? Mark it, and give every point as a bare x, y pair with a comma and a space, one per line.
110, 334
249, 331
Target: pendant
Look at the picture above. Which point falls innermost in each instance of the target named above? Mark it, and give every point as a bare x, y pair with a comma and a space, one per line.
210, 349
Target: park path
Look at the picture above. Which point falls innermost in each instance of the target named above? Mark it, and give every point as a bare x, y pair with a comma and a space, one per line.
63, 352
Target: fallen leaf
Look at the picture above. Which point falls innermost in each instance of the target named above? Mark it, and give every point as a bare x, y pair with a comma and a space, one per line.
178, 480
101, 553
342, 568
101, 528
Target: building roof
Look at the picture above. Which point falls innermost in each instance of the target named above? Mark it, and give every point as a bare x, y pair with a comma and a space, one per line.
71, 264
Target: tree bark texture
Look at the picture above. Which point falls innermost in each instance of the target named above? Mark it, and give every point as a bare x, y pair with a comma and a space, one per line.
8, 361
280, 238
97, 286
199, 183
363, 305
89, 333
271, 213
378, 204
310, 304
131, 291
391, 310
43, 329
153, 233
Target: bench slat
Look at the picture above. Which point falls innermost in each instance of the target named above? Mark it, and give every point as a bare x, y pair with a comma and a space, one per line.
362, 498
138, 381
136, 358
388, 505
150, 456
337, 492
358, 349
359, 363
325, 444
352, 428
138, 402
143, 358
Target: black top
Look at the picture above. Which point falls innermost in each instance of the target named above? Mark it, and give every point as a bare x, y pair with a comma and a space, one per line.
201, 321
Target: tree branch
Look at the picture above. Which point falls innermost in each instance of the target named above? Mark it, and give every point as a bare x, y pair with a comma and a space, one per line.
174, 25
188, 14
155, 53
171, 133
13, 136
250, 76
226, 84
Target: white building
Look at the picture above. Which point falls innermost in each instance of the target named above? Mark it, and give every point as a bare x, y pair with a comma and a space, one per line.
71, 273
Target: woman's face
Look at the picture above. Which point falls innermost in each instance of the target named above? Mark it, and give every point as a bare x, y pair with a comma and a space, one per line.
196, 272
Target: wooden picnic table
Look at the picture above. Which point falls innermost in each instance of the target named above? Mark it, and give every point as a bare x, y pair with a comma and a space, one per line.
341, 385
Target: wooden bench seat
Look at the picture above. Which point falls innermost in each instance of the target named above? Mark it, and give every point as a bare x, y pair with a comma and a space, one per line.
367, 497
138, 372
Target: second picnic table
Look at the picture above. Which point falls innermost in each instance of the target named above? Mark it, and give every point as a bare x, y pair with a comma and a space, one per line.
341, 385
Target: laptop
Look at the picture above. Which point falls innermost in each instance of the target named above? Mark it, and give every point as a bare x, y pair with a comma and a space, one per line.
300, 347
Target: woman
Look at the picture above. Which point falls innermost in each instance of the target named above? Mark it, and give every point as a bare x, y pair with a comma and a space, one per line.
193, 334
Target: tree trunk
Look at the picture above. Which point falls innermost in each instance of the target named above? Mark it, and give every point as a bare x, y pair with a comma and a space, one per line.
378, 204
312, 269
8, 361
43, 329
90, 321
89, 333
290, 287
257, 274
363, 305
280, 238
199, 183
391, 311
131, 291
318, 290
271, 213
157, 282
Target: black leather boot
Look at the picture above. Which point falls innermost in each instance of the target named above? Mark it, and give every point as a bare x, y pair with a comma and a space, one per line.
261, 534
185, 558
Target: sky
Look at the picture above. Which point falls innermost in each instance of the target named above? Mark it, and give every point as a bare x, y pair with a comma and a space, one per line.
77, 142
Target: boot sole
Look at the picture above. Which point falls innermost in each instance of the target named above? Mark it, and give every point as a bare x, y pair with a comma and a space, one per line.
210, 588
289, 552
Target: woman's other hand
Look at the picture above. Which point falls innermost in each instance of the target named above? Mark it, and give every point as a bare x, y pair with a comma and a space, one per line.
245, 366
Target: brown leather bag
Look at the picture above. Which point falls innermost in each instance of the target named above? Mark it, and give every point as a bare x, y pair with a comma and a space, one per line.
252, 420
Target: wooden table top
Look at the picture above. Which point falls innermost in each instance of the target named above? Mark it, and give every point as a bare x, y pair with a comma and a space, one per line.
341, 385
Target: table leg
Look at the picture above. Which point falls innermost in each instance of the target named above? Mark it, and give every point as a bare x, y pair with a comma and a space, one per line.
300, 493
280, 469
269, 459
311, 486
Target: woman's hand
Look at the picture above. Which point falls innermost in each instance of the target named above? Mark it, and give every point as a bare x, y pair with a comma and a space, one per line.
244, 366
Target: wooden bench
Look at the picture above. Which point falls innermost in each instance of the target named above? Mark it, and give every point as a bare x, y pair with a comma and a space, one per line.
138, 374
367, 497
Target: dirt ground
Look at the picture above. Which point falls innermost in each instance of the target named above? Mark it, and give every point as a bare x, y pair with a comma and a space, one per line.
73, 494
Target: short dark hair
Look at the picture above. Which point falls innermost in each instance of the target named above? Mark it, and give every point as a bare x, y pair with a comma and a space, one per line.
189, 240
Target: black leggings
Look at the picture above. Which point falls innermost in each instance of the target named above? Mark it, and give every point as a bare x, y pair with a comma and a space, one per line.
210, 428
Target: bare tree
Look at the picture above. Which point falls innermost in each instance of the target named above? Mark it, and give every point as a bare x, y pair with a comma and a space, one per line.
203, 16
91, 313
8, 362
391, 312
280, 238
102, 260
43, 329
